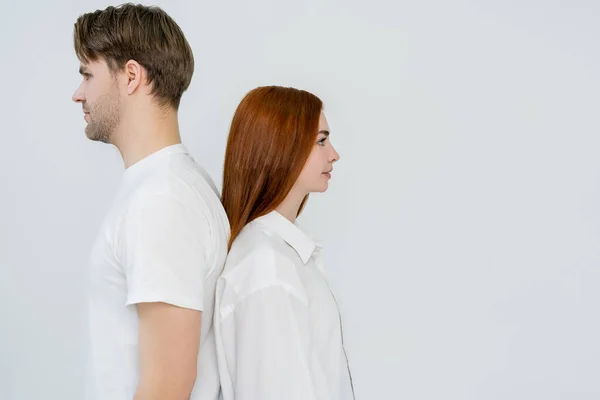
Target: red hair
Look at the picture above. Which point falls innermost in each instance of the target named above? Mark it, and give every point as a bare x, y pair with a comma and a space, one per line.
271, 137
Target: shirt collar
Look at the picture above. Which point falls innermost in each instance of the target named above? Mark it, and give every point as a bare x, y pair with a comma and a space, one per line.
303, 244
151, 159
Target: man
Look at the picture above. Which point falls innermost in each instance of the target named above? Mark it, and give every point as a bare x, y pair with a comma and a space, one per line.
157, 257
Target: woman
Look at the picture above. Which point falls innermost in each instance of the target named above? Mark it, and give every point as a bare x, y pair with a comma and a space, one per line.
277, 324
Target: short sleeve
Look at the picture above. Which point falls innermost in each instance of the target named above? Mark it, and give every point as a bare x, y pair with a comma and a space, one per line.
163, 251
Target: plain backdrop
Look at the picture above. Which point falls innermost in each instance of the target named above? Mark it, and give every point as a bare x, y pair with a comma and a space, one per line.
462, 224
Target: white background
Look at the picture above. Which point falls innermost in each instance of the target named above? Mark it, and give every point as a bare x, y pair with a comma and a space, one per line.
462, 224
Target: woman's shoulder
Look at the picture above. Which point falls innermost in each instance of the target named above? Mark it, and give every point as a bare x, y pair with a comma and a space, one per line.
255, 244
258, 259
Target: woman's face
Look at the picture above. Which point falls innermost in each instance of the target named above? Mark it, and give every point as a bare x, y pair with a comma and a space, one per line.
316, 173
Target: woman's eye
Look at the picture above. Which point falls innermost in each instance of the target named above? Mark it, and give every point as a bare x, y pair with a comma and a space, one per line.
322, 142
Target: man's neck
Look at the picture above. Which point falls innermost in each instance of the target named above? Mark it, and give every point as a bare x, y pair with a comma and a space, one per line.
140, 137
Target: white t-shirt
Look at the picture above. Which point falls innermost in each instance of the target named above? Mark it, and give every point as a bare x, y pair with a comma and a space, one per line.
277, 324
164, 240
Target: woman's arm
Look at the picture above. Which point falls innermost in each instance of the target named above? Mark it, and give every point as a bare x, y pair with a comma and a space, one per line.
270, 351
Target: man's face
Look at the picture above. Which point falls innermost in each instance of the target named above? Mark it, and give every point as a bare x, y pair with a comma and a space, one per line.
100, 100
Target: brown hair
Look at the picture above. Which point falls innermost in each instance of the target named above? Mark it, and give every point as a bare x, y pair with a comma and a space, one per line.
147, 35
271, 137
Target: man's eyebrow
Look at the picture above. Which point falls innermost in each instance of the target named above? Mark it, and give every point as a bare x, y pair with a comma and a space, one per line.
83, 70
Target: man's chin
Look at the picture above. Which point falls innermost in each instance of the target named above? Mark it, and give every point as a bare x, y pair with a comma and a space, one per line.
95, 137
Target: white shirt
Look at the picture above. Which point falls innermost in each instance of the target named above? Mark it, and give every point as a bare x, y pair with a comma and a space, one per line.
277, 324
164, 240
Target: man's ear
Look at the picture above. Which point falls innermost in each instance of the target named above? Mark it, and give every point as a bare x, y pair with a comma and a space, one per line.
135, 75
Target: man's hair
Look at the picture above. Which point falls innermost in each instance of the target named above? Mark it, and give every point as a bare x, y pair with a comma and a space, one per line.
147, 35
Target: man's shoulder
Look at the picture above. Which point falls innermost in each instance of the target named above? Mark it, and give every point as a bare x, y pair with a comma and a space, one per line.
185, 190
178, 180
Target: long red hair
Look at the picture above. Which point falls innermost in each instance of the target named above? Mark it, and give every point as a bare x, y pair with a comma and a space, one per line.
272, 134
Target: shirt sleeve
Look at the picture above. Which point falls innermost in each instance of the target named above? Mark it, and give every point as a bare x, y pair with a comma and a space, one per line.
163, 248
269, 346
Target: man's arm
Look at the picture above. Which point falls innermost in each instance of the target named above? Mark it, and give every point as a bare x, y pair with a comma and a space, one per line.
163, 253
169, 339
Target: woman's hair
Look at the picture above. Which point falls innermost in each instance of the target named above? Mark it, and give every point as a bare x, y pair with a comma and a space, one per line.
271, 137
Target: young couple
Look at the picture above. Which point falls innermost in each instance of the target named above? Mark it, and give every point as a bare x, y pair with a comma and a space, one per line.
193, 296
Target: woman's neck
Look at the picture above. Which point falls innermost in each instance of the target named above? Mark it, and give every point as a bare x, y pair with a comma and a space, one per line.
291, 204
